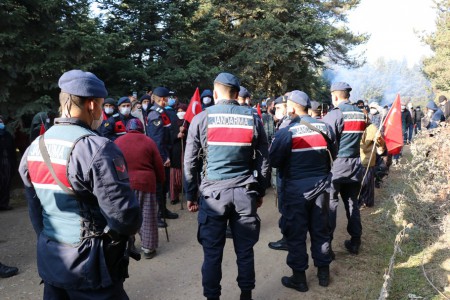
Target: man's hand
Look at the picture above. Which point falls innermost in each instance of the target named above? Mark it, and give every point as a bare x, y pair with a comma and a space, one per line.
259, 202
192, 206
167, 163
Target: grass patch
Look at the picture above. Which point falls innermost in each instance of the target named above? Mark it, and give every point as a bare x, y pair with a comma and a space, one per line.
417, 191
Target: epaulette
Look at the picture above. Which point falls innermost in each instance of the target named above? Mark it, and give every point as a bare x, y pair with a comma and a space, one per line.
159, 109
115, 115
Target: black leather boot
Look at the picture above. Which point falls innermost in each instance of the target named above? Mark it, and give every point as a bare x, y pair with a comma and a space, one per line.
169, 215
246, 295
323, 273
296, 281
352, 245
6, 271
279, 245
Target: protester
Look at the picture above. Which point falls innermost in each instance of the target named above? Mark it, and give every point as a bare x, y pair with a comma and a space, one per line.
80, 203
232, 185
433, 117
146, 103
406, 123
41, 122
445, 106
178, 143
8, 165
267, 119
375, 114
206, 99
372, 143
418, 115
145, 169
301, 151
410, 128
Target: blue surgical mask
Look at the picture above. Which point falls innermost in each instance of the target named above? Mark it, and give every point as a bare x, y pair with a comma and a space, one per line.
2, 126
171, 102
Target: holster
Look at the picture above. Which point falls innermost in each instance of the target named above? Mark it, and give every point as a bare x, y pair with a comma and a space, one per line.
117, 256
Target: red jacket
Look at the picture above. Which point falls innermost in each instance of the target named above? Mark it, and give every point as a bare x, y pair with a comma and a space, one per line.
145, 166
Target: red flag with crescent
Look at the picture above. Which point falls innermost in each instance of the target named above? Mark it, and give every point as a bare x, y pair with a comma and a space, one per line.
194, 108
393, 135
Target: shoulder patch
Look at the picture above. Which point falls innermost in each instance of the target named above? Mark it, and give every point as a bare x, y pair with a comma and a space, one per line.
106, 124
156, 122
115, 115
121, 170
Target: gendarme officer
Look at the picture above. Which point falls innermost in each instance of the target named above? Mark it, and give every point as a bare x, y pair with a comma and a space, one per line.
158, 129
300, 152
80, 201
234, 147
348, 123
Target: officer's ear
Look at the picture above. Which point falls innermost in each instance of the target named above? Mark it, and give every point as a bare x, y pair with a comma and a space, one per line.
90, 104
215, 96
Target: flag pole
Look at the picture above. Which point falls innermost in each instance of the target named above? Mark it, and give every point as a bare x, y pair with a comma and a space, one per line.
373, 149
182, 174
368, 166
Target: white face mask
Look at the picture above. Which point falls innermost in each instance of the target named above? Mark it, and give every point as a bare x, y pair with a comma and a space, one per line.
109, 110
181, 114
207, 100
125, 110
279, 114
430, 113
373, 111
144, 106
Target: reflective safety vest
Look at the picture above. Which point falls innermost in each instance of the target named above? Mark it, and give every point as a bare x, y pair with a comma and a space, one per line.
354, 126
230, 131
61, 211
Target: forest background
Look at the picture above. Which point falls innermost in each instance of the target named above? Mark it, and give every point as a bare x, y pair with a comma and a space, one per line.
272, 46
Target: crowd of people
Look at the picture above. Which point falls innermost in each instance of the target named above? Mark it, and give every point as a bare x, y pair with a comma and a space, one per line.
113, 164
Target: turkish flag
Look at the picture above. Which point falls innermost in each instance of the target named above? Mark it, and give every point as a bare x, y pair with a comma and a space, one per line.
194, 108
258, 109
393, 135
42, 129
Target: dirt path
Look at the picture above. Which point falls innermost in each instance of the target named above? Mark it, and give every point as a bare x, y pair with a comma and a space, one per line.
175, 272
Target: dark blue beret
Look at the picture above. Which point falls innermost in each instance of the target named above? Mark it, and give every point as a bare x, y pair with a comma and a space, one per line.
124, 99
161, 92
315, 105
300, 97
228, 80
82, 84
144, 97
340, 86
243, 92
110, 101
281, 99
